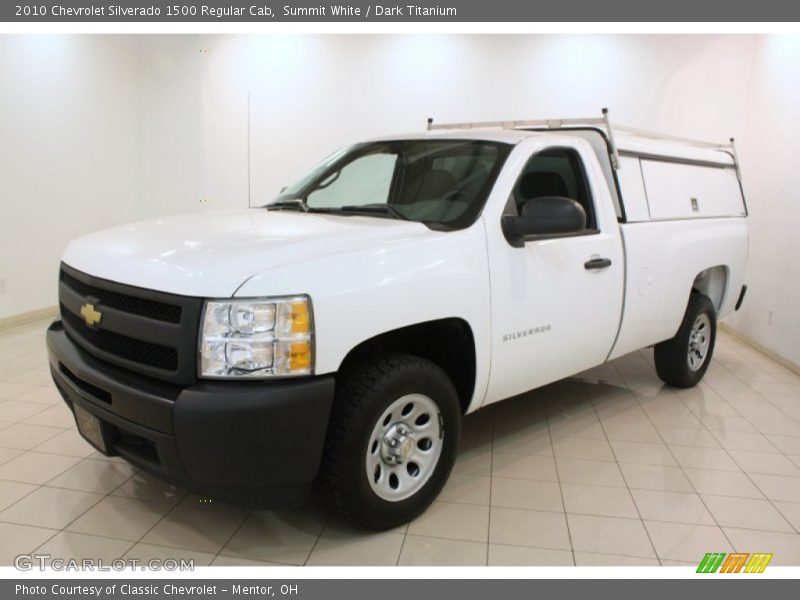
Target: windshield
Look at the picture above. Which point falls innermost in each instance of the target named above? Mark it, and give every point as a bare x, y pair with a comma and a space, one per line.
437, 182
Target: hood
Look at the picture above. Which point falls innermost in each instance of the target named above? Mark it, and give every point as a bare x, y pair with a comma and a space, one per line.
213, 254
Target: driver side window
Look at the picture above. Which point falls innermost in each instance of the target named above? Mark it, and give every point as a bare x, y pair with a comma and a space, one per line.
366, 180
555, 172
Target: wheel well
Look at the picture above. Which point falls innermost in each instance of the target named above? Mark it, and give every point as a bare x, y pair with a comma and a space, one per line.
712, 282
449, 343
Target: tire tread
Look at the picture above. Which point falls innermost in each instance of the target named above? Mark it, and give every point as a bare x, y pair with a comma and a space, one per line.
670, 355
348, 416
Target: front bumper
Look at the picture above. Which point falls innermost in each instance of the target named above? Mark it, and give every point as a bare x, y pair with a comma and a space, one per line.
258, 443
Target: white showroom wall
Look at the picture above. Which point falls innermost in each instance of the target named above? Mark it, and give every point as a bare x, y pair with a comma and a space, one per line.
391, 83
70, 149
158, 125
771, 177
309, 95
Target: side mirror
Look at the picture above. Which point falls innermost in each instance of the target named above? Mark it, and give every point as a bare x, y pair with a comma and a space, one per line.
545, 216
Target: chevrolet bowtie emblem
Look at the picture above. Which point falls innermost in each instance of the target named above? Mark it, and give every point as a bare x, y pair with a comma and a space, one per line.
91, 316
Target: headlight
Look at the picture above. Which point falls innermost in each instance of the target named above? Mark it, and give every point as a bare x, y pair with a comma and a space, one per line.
263, 337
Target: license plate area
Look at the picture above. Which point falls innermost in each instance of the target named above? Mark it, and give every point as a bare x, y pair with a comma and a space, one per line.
91, 428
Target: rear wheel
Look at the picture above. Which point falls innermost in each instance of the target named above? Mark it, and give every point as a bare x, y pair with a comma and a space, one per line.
683, 360
391, 441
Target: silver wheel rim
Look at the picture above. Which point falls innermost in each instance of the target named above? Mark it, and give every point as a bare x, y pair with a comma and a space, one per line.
404, 447
699, 341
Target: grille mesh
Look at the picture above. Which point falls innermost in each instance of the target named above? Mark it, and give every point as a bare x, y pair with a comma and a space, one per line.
151, 309
122, 346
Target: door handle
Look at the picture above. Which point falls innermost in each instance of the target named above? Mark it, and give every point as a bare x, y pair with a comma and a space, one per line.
597, 263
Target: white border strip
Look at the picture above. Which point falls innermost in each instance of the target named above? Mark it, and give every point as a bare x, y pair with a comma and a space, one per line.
290, 574
391, 28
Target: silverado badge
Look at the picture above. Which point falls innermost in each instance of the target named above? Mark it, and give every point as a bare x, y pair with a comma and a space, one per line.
90, 315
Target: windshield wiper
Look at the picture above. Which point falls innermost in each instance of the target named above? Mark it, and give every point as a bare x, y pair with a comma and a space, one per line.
386, 209
290, 204
353, 209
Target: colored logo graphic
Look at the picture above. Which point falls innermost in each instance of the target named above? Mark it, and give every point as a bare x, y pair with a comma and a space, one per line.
740, 562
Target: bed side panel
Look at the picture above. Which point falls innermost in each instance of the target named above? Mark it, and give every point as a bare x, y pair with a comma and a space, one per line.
663, 259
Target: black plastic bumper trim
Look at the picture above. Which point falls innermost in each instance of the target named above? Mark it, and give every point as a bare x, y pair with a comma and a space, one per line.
250, 441
132, 396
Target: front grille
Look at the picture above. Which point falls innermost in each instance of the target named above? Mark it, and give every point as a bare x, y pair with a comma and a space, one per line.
149, 332
125, 347
161, 311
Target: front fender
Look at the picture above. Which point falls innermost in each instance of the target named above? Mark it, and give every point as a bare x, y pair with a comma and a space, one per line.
359, 294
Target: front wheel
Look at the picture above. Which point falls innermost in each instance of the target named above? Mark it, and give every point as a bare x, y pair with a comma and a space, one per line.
391, 441
683, 360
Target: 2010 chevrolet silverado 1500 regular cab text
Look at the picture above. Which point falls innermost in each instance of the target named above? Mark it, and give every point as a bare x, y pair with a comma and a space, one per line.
337, 335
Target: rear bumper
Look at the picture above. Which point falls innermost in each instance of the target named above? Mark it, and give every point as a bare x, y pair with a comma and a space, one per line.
252, 442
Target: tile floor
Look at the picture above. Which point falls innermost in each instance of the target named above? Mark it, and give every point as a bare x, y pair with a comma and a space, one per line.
608, 468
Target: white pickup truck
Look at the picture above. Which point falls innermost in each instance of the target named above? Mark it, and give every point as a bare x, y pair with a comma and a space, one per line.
337, 335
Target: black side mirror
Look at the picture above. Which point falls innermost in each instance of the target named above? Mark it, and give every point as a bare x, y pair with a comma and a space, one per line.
545, 216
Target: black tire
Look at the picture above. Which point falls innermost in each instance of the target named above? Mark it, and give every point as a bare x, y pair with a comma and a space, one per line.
672, 356
361, 400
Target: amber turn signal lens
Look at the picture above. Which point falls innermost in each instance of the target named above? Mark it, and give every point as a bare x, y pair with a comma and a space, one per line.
300, 356
300, 319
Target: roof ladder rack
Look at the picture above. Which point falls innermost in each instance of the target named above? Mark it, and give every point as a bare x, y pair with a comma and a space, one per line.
539, 123
603, 121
